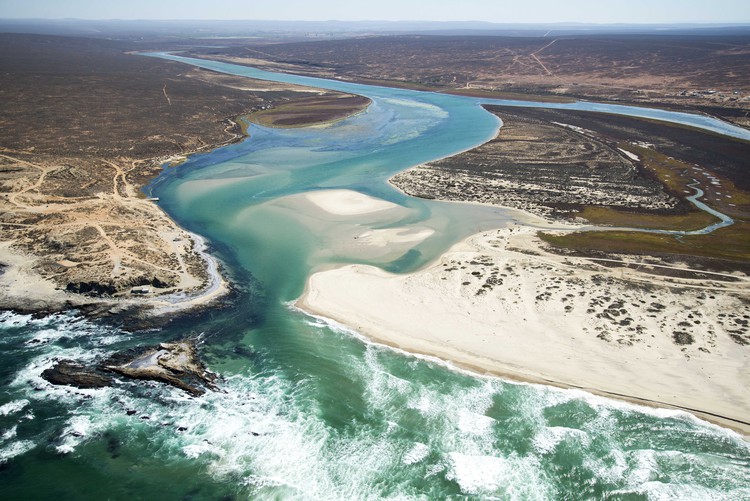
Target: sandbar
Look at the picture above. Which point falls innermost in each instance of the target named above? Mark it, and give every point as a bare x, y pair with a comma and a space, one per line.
347, 202
347, 225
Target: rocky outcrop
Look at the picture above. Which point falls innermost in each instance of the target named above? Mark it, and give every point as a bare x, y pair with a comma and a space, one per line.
71, 373
91, 288
176, 364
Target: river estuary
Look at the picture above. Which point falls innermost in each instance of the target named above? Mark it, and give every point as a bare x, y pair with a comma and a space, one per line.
309, 409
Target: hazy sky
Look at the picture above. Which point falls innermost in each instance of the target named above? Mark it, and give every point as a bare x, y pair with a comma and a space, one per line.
500, 11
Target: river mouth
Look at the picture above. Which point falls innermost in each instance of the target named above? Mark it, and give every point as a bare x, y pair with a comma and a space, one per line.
309, 408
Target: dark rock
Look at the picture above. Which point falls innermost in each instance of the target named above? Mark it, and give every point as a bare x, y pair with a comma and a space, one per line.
113, 445
176, 364
68, 372
91, 288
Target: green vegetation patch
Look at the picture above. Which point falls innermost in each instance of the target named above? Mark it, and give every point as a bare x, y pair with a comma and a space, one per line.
516, 96
732, 243
693, 220
314, 110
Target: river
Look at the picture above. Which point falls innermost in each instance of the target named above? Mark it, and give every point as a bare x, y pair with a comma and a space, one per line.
309, 409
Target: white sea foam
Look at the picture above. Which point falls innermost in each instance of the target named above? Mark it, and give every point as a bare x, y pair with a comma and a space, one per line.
44, 337
29, 378
434, 469
471, 423
416, 454
268, 431
423, 404
660, 491
381, 385
510, 477
195, 450
45, 333
13, 407
286, 450
548, 438
9, 319
644, 469
14, 449
610, 468
9, 433
457, 421
78, 429
50, 329
237, 433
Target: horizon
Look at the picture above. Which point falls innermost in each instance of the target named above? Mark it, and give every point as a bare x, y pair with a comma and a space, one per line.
385, 21
610, 12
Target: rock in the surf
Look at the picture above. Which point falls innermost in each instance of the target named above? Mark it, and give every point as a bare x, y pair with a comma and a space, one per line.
71, 373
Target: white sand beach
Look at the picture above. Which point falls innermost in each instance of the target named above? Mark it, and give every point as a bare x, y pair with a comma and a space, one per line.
498, 303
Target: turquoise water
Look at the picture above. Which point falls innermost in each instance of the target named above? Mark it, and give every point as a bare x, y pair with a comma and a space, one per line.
309, 410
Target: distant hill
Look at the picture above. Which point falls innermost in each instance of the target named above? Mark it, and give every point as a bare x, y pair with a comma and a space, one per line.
338, 29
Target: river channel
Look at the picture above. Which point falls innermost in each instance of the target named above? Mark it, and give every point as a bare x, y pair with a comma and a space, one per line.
309, 409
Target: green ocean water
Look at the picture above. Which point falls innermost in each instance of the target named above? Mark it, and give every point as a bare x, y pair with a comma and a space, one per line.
309, 409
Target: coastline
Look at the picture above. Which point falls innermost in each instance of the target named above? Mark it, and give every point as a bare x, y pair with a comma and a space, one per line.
25, 291
79, 228
517, 331
217, 286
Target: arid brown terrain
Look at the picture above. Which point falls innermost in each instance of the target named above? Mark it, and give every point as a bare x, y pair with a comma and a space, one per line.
707, 73
83, 126
541, 167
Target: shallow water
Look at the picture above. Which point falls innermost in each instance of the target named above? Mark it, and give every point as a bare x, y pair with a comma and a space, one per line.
309, 409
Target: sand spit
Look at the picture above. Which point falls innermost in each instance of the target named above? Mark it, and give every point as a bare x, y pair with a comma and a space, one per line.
498, 303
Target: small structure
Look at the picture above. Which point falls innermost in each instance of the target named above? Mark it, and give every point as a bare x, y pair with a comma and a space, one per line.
143, 289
